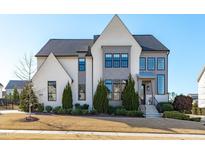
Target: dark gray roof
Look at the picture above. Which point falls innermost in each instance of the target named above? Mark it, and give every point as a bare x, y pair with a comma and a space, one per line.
150, 43
1, 85
19, 84
71, 47
65, 47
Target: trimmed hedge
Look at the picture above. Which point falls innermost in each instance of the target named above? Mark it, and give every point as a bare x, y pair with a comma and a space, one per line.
164, 106
197, 119
134, 114
49, 109
175, 115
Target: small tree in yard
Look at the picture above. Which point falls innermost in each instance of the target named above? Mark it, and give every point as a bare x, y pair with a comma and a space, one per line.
100, 101
130, 99
15, 95
67, 99
28, 99
183, 103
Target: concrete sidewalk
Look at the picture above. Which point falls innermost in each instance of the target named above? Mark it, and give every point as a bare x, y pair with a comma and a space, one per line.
102, 133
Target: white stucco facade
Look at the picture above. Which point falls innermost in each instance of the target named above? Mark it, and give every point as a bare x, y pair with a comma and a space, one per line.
201, 90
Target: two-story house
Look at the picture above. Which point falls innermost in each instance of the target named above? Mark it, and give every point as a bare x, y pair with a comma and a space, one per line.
111, 56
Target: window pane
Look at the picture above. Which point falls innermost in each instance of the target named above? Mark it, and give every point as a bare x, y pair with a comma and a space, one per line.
161, 63
142, 63
151, 63
161, 84
51, 90
108, 84
124, 60
108, 60
116, 60
81, 92
81, 63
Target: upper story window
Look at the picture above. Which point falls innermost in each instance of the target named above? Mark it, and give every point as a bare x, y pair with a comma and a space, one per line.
124, 60
151, 63
81, 64
51, 90
142, 63
161, 84
160, 63
108, 60
116, 60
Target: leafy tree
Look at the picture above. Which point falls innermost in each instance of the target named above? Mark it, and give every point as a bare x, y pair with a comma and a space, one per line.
15, 95
67, 99
28, 99
183, 103
100, 101
130, 99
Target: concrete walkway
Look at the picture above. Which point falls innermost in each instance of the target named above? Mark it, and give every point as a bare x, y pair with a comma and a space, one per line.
10, 111
102, 133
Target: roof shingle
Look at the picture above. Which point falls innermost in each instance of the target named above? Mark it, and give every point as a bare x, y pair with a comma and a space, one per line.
19, 84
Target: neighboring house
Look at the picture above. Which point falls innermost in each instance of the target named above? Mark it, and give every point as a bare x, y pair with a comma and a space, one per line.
201, 89
111, 56
194, 97
1, 90
18, 84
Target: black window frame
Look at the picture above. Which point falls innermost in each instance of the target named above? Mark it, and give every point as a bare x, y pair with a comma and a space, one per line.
148, 63
124, 60
116, 60
159, 69
109, 60
158, 84
49, 93
81, 64
144, 63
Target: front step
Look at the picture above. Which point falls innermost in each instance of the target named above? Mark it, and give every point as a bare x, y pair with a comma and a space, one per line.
150, 111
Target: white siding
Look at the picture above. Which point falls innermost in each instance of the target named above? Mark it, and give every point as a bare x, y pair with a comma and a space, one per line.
201, 91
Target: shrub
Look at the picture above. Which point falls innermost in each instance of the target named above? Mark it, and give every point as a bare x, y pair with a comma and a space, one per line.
76, 112
175, 115
15, 95
164, 106
48, 109
84, 112
134, 114
68, 111
85, 106
61, 111
194, 108
100, 101
77, 106
56, 109
121, 111
130, 99
182, 103
111, 110
67, 100
40, 108
197, 119
93, 112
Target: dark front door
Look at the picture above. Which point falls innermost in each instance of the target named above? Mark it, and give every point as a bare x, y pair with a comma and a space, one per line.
144, 93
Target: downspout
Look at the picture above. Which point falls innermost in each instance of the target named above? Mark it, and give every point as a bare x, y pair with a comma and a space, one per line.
92, 81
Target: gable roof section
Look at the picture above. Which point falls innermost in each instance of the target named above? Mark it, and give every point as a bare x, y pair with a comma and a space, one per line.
1, 85
19, 84
65, 47
59, 65
201, 74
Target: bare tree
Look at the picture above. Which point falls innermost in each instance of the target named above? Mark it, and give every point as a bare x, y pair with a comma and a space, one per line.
24, 71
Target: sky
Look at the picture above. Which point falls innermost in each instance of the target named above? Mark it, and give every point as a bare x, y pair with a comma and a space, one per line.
184, 35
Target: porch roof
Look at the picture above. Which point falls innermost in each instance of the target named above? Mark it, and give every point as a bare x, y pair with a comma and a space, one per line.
146, 75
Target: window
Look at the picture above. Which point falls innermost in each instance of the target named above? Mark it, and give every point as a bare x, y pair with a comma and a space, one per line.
142, 63
116, 60
81, 64
108, 84
51, 90
81, 92
161, 84
151, 63
160, 63
108, 60
124, 60
115, 88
